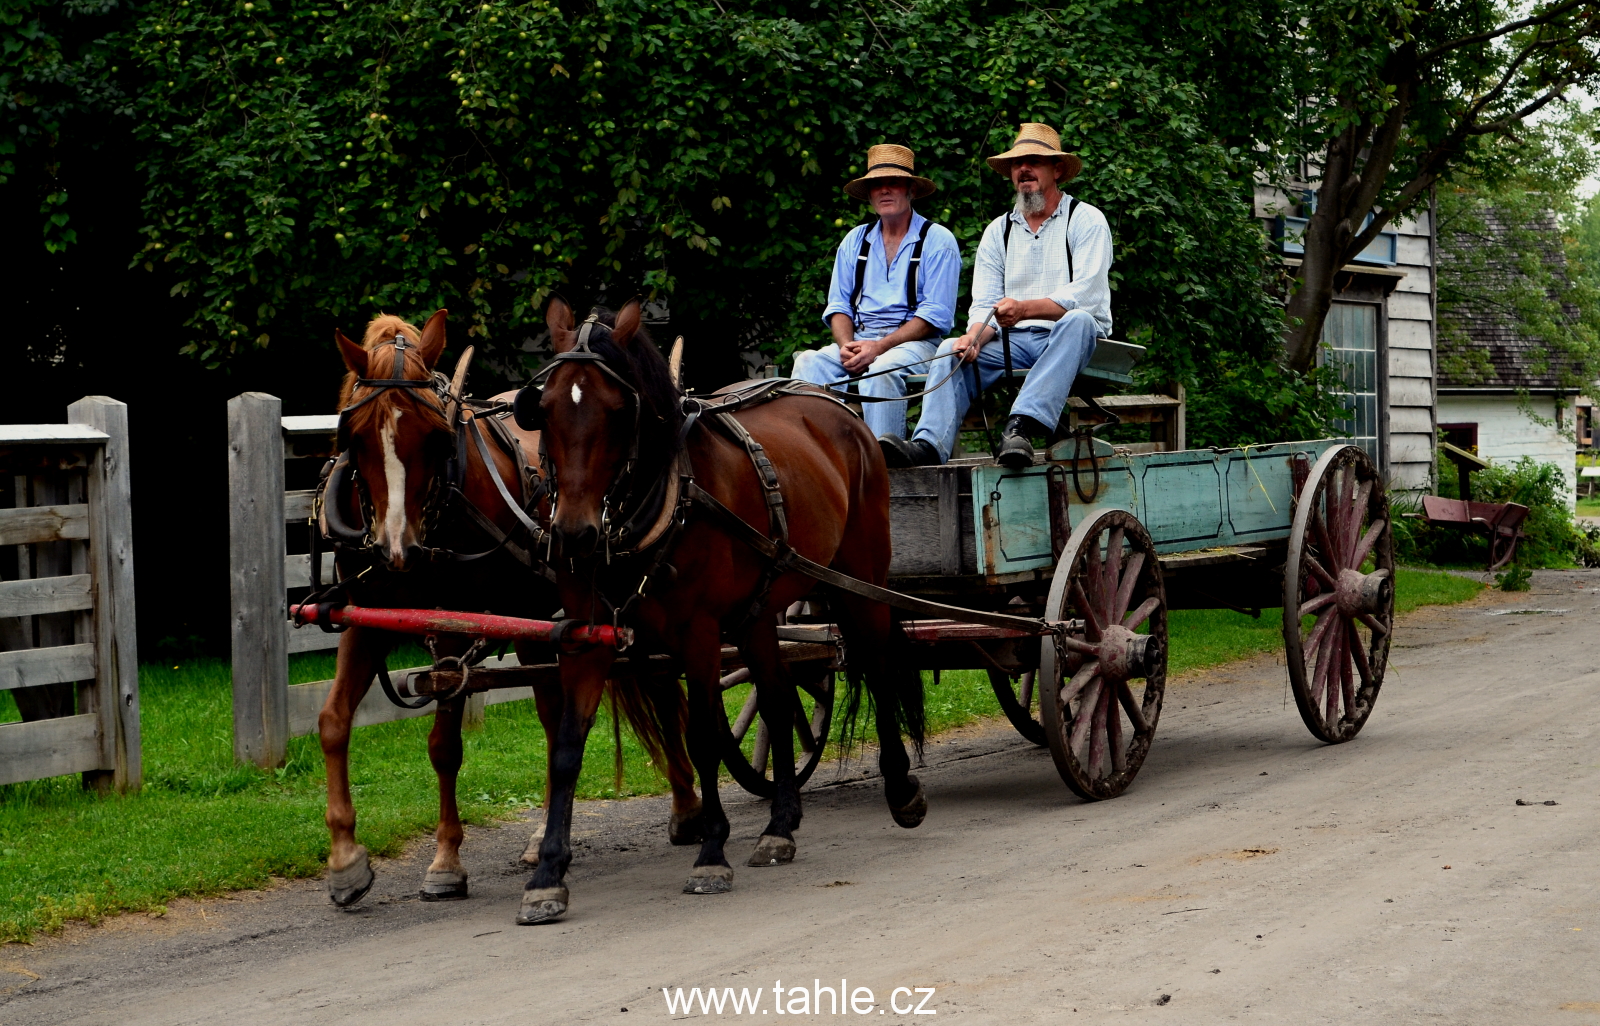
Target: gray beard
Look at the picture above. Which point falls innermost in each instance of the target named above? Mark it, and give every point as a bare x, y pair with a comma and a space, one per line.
1032, 202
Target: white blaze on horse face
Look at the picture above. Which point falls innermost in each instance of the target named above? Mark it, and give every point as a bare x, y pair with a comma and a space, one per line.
394, 517
577, 394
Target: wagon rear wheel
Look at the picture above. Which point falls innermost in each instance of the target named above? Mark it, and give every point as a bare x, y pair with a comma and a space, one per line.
1017, 697
1101, 683
811, 729
1339, 577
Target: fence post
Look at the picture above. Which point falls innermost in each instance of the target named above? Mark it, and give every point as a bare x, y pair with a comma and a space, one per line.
111, 549
256, 544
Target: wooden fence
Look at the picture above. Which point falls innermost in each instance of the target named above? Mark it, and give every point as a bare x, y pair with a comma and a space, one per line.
267, 710
67, 627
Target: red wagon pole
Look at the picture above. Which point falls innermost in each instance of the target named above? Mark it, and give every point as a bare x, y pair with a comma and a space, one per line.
485, 625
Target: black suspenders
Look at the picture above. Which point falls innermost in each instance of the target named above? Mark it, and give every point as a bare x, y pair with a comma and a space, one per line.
1005, 248
911, 274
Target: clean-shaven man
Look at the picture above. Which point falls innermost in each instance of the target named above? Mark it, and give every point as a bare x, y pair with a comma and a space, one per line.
893, 294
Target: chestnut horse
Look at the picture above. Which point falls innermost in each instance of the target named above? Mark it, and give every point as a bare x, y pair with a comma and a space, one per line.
419, 540
613, 422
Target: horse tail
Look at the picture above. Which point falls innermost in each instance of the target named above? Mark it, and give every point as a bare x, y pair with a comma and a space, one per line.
655, 708
892, 661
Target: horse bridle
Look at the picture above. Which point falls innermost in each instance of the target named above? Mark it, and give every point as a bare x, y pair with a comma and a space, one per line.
441, 489
530, 417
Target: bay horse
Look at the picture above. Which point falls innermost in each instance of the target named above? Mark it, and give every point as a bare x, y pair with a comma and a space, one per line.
424, 520
614, 430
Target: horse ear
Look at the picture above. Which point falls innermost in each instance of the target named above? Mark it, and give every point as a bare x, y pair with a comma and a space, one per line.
433, 339
627, 323
559, 317
354, 356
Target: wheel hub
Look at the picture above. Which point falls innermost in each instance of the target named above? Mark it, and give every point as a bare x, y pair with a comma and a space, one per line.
1363, 593
1125, 655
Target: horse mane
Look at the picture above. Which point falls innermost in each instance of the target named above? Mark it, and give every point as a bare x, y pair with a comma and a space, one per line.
381, 331
641, 364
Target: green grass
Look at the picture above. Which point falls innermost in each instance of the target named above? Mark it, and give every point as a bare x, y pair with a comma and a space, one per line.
202, 825
1589, 507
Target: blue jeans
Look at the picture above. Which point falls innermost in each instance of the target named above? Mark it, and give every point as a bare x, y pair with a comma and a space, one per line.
1054, 356
822, 367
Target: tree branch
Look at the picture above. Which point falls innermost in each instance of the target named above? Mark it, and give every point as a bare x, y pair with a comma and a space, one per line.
1523, 114
1483, 37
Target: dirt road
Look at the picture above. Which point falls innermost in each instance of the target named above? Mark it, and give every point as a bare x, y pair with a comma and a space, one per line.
1250, 875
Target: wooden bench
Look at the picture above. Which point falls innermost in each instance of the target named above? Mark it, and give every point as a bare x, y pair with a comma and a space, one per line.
1503, 521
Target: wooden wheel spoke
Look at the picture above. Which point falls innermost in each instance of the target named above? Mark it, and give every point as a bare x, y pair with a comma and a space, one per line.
1368, 540
1325, 599
1098, 731
1025, 690
1082, 723
741, 726
1130, 580
1119, 758
1359, 652
1134, 620
1324, 663
1353, 516
1346, 678
1111, 571
1092, 581
1091, 620
1130, 705
1372, 622
1322, 575
1324, 544
1319, 630
802, 729
1089, 671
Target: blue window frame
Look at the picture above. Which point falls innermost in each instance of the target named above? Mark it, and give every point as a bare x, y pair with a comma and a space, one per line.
1287, 232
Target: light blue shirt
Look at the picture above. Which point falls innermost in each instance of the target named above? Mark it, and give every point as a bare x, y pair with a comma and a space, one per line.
882, 307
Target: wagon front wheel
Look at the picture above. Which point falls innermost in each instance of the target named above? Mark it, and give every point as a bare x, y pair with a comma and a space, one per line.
1017, 696
1338, 594
1103, 678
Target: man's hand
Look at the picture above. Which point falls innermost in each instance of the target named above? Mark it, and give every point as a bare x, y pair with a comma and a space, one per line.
1010, 311
967, 346
857, 355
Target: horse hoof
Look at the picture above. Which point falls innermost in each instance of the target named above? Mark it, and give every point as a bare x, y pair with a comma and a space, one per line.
444, 885
349, 885
772, 851
709, 880
542, 905
530, 854
683, 830
910, 814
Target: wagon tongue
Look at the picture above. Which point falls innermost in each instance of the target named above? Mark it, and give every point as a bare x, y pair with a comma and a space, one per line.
483, 625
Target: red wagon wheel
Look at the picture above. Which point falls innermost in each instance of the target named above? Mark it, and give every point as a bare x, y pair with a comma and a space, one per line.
754, 773
1340, 572
1098, 720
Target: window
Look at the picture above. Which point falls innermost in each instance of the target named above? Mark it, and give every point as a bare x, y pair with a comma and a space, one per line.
1462, 436
1350, 335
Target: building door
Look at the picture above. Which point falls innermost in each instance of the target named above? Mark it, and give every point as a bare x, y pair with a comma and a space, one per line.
1350, 338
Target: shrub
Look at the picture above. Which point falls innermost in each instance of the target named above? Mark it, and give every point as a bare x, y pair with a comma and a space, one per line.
1550, 538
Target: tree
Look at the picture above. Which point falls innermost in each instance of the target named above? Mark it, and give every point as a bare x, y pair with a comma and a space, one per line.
1398, 95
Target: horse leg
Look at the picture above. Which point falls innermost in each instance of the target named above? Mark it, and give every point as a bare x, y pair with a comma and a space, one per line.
547, 699
777, 699
869, 631
446, 879
707, 727
583, 682
361, 653
686, 825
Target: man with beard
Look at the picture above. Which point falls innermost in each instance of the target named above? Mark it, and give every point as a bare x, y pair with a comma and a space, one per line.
1042, 272
893, 294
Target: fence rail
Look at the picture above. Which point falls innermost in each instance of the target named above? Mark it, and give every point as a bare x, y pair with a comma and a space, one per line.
68, 652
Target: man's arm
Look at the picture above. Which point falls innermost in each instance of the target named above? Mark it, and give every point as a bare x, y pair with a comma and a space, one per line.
844, 279
857, 356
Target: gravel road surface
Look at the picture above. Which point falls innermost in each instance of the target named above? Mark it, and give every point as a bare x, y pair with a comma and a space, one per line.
1250, 875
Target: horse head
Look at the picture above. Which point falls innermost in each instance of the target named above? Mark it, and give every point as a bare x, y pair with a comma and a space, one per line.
394, 434
606, 418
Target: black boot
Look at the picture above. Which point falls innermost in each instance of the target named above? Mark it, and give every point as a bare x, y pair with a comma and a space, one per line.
898, 452
1016, 452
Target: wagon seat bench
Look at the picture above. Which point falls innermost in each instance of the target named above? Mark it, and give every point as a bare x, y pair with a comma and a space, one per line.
1502, 520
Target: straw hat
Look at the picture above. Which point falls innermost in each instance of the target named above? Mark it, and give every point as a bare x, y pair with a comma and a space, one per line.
890, 161
1035, 140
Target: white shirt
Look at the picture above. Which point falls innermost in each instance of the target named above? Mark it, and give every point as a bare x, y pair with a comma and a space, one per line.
1034, 265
